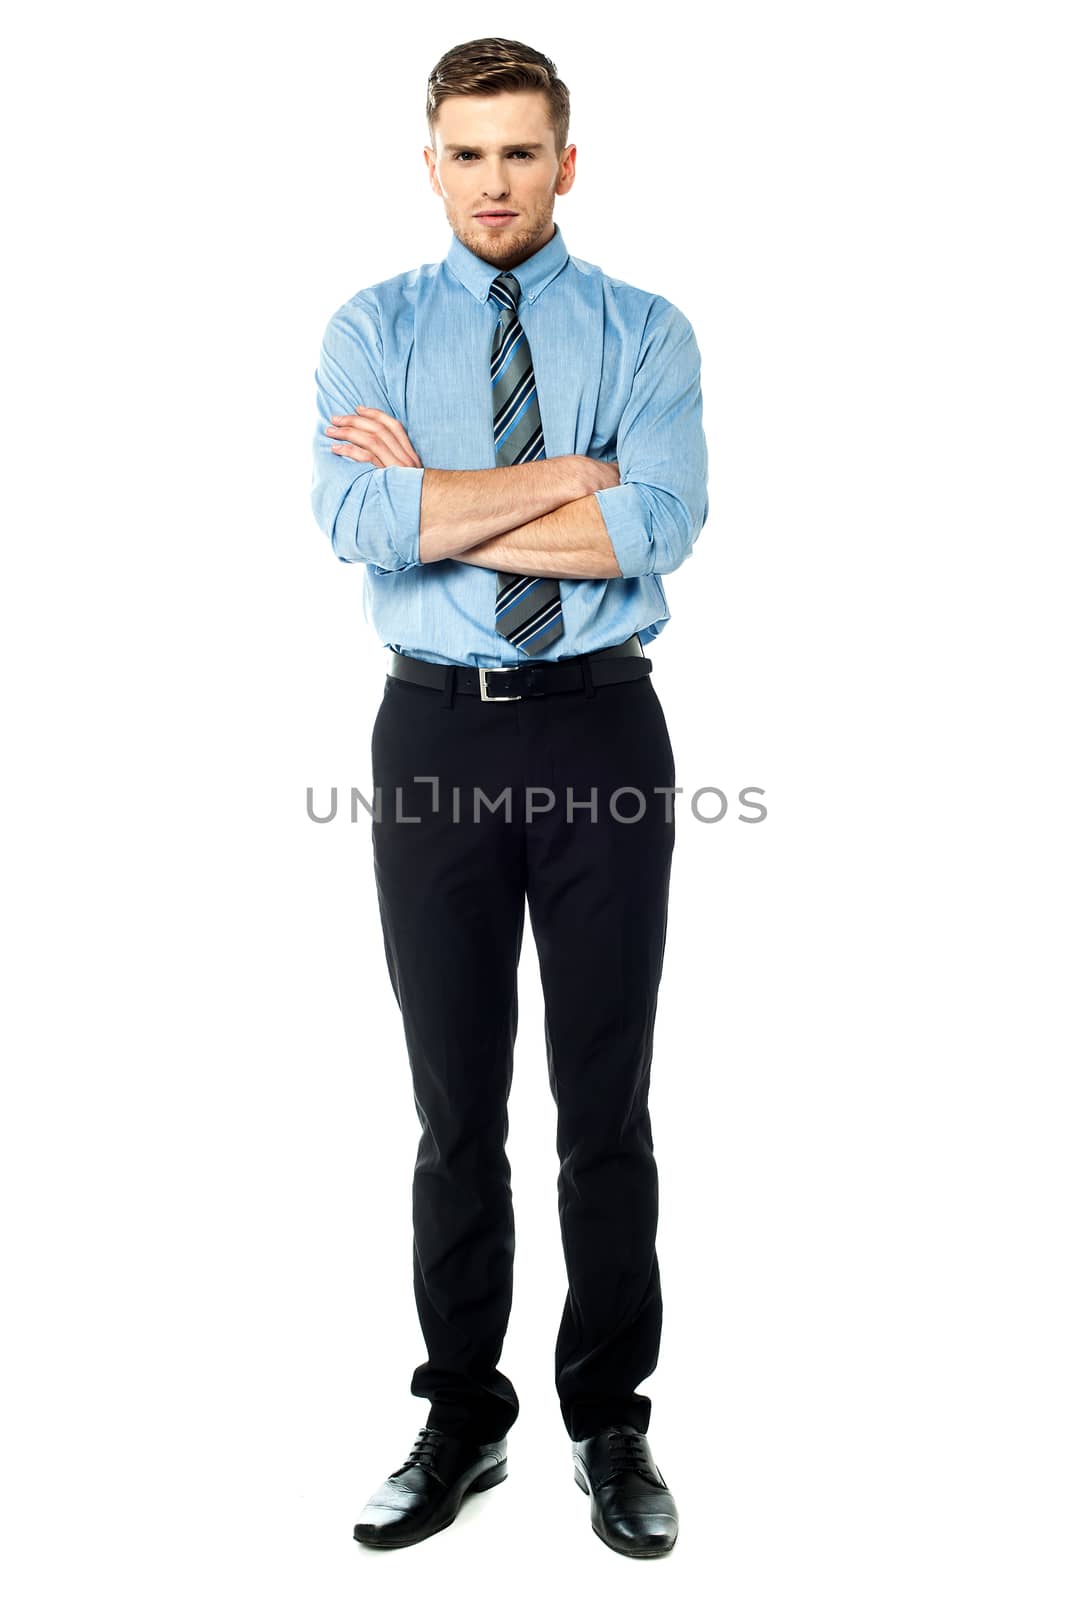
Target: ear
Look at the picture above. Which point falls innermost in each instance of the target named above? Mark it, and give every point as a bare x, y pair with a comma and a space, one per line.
567, 171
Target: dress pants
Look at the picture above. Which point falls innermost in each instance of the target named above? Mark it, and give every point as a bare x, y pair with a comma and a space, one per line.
452, 888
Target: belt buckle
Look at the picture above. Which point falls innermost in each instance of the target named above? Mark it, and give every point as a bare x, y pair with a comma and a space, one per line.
483, 671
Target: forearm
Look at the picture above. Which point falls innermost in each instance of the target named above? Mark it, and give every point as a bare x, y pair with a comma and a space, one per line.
569, 542
461, 509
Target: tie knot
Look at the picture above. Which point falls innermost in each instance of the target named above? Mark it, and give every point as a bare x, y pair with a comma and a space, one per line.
505, 289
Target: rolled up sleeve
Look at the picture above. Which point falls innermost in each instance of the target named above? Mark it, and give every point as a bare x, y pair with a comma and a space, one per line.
370, 514
655, 514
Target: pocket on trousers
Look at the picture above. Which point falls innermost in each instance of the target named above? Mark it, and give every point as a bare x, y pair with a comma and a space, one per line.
378, 716
660, 716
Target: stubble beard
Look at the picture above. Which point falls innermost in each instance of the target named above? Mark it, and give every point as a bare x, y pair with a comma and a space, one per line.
500, 248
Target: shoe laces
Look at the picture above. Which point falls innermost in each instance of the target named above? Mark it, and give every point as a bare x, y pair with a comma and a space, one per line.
424, 1450
628, 1453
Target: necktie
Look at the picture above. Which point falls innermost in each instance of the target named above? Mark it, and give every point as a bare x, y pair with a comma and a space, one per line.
528, 610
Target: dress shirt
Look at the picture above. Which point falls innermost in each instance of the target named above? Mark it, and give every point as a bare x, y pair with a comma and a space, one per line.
617, 378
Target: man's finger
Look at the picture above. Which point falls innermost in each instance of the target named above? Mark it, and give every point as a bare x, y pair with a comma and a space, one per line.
356, 452
390, 425
378, 443
370, 425
380, 455
352, 431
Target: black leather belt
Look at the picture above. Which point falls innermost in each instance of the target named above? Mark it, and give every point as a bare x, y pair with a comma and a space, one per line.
617, 664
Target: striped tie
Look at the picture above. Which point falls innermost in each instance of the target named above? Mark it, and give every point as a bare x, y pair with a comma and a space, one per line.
528, 610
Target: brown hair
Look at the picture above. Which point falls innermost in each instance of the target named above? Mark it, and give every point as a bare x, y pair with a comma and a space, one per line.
492, 66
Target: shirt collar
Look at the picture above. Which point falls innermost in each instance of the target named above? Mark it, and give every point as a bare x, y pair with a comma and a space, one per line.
534, 273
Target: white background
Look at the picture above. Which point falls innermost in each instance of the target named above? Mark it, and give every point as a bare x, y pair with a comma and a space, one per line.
208, 1132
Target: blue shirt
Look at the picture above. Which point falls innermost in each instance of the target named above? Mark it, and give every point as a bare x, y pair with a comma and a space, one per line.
617, 378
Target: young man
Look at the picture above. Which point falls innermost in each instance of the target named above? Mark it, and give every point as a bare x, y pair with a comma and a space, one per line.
511, 443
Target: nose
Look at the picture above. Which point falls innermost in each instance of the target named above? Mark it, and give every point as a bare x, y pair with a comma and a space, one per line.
495, 183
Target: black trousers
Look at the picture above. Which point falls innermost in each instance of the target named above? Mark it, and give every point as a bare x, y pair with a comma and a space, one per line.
452, 887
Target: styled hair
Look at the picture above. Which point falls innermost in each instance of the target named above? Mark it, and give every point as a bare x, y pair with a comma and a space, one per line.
493, 66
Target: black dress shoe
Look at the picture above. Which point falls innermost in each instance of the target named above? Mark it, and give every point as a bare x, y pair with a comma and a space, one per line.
425, 1493
632, 1509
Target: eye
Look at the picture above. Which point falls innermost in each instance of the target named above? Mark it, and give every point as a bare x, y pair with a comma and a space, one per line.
460, 155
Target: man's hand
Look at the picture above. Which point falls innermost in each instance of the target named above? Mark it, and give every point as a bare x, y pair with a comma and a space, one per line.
601, 474
371, 435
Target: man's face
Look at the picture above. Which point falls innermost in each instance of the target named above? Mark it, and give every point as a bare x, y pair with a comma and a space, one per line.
497, 153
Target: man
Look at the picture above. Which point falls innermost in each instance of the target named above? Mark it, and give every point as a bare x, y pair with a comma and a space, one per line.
511, 443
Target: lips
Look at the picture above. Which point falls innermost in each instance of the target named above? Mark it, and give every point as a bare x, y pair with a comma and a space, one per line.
496, 213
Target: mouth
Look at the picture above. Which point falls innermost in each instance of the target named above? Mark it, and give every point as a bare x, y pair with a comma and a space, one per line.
495, 219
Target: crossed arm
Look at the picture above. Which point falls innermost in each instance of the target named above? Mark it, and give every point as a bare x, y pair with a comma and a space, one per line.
541, 518
566, 516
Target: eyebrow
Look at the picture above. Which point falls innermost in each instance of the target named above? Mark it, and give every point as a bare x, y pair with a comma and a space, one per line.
476, 150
